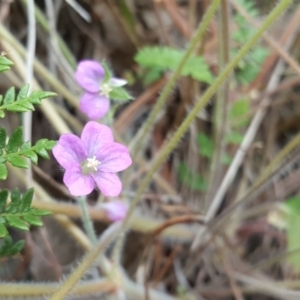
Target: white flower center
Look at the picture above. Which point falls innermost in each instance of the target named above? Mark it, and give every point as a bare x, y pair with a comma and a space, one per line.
105, 89
93, 163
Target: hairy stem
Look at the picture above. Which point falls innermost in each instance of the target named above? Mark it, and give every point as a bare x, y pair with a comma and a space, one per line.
222, 97
91, 256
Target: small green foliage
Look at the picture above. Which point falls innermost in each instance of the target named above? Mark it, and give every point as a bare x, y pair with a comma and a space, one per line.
5, 63
193, 180
119, 94
160, 59
15, 150
205, 144
239, 113
22, 102
8, 248
18, 213
250, 66
288, 216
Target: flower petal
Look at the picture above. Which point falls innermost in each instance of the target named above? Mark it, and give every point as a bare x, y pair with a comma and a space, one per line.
89, 75
108, 183
116, 82
77, 183
94, 136
69, 150
94, 105
115, 210
114, 157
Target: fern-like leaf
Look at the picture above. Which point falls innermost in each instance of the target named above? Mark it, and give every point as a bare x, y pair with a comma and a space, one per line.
159, 59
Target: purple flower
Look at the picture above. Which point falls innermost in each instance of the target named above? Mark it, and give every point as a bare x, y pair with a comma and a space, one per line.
95, 101
115, 210
93, 158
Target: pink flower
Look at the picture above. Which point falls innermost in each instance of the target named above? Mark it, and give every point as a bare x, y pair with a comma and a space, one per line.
93, 158
90, 76
115, 210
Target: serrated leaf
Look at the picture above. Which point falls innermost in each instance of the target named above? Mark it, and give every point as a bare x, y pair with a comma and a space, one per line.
3, 198
42, 94
205, 144
15, 141
3, 172
31, 155
23, 92
25, 146
18, 161
34, 100
16, 108
3, 230
2, 137
9, 96
16, 222
41, 212
15, 196
41, 143
4, 61
4, 68
119, 94
43, 153
50, 144
27, 199
166, 58
33, 220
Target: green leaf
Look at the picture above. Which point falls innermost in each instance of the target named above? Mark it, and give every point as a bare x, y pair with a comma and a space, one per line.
33, 220
5, 61
17, 247
3, 230
15, 196
3, 198
31, 155
193, 180
234, 138
107, 74
41, 212
4, 68
2, 137
2, 114
50, 144
205, 144
16, 222
15, 140
41, 95
42, 152
239, 113
9, 96
18, 161
23, 92
27, 199
166, 58
3, 172
25, 146
119, 94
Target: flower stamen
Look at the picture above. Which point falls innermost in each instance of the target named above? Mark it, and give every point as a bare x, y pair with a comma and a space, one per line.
93, 163
105, 89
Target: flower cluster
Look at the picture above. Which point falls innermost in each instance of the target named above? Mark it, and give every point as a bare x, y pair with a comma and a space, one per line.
99, 87
94, 158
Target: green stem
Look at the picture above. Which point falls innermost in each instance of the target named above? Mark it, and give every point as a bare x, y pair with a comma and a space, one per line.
137, 141
87, 222
222, 97
41, 289
200, 104
91, 256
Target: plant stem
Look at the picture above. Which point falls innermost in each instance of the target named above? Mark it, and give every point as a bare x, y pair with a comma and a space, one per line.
200, 104
87, 222
220, 112
137, 141
91, 256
